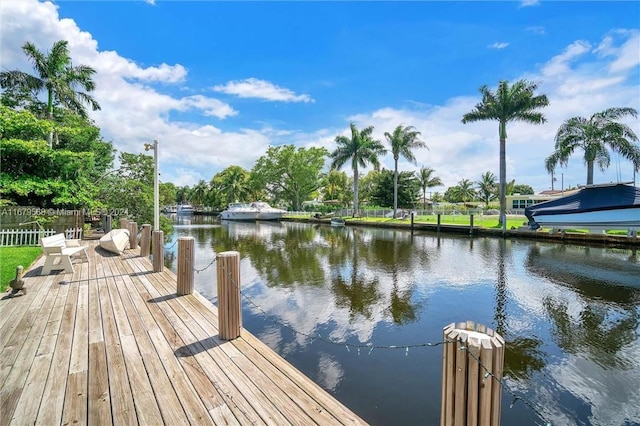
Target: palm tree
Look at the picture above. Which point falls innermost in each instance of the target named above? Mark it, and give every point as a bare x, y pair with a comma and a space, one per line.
361, 149
487, 187
56, 75
517, 102
465, 190
199, 193
426, 180
403, 140
594, 136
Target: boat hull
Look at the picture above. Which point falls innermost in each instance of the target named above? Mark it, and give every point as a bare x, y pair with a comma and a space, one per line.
599, 220
115, 241
239, 215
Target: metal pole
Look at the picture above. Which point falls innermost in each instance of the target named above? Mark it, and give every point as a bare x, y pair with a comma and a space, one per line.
156, 190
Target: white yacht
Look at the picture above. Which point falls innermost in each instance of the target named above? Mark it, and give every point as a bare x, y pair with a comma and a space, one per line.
240, 211
185, 209
266, 212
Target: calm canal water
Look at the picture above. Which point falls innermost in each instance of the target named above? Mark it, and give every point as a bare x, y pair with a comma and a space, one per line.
570, 315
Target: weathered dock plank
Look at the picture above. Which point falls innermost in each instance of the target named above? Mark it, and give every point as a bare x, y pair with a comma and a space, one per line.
114, 344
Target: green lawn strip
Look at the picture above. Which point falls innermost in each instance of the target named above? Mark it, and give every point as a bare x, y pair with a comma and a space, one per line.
11, 257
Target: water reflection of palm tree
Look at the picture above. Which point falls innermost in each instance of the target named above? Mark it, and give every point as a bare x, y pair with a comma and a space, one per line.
594, 332
391, 254
356, 292
522, 354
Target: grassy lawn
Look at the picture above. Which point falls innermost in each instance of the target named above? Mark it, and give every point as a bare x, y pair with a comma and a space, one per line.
11, 257
478, 221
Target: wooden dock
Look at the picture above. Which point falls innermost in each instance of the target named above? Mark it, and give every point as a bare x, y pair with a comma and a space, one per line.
114, 344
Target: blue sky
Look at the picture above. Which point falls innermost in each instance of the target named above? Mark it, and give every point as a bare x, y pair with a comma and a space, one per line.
218, 82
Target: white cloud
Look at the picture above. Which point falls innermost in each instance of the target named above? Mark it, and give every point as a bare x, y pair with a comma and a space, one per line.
497, 45
537, 29
560, 64
580, 80
526, 3
260, 89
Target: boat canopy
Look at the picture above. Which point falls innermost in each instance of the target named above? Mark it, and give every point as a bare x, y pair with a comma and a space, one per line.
590, 198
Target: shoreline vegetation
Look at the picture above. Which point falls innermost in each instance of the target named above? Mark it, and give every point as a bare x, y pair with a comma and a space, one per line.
484, 226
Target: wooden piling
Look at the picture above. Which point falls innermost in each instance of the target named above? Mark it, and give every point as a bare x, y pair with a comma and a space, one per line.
472, 367
145, 240
107, 223
133, 235
438, 227
471, 225
186, 256
124, 223
158, 250
229, 306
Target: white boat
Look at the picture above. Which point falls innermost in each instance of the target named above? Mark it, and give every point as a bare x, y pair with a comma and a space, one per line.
185, 209
337, 221
266, 212
240, 211
115, 241
594, 207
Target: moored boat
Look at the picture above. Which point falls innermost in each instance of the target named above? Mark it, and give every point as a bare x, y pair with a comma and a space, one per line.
337, 221
594, 207
266, 212
240, 211
185, 209
115, 241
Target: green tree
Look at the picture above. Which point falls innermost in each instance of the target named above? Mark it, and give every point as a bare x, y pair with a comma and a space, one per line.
167, 192
382, 191
403, 141
360, 150
335, 186
517, 102
461, 193
523, 189
199, 193
34, 175
594, 136
56, 75
232, 184
427, 180
291, 175
487, 187
22, 125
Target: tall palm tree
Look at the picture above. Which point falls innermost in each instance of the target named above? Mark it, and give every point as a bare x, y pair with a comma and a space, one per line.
427, 180
594, 136
403, 140
487, 187
361, 149
517, 102
56, 75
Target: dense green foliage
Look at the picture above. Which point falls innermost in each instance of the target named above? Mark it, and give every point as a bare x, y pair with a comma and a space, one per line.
289, 174
35, 175
408, 189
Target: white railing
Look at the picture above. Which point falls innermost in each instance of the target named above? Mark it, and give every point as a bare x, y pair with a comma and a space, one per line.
31, 237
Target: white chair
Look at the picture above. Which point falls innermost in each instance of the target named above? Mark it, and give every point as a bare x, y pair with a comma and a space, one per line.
59, 252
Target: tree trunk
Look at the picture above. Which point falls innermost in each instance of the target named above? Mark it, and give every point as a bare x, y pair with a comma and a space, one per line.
50, 117
503, 177
589, 172
355, 190
395, 188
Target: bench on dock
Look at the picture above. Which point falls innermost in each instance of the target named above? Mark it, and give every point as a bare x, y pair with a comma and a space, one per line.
59, 251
